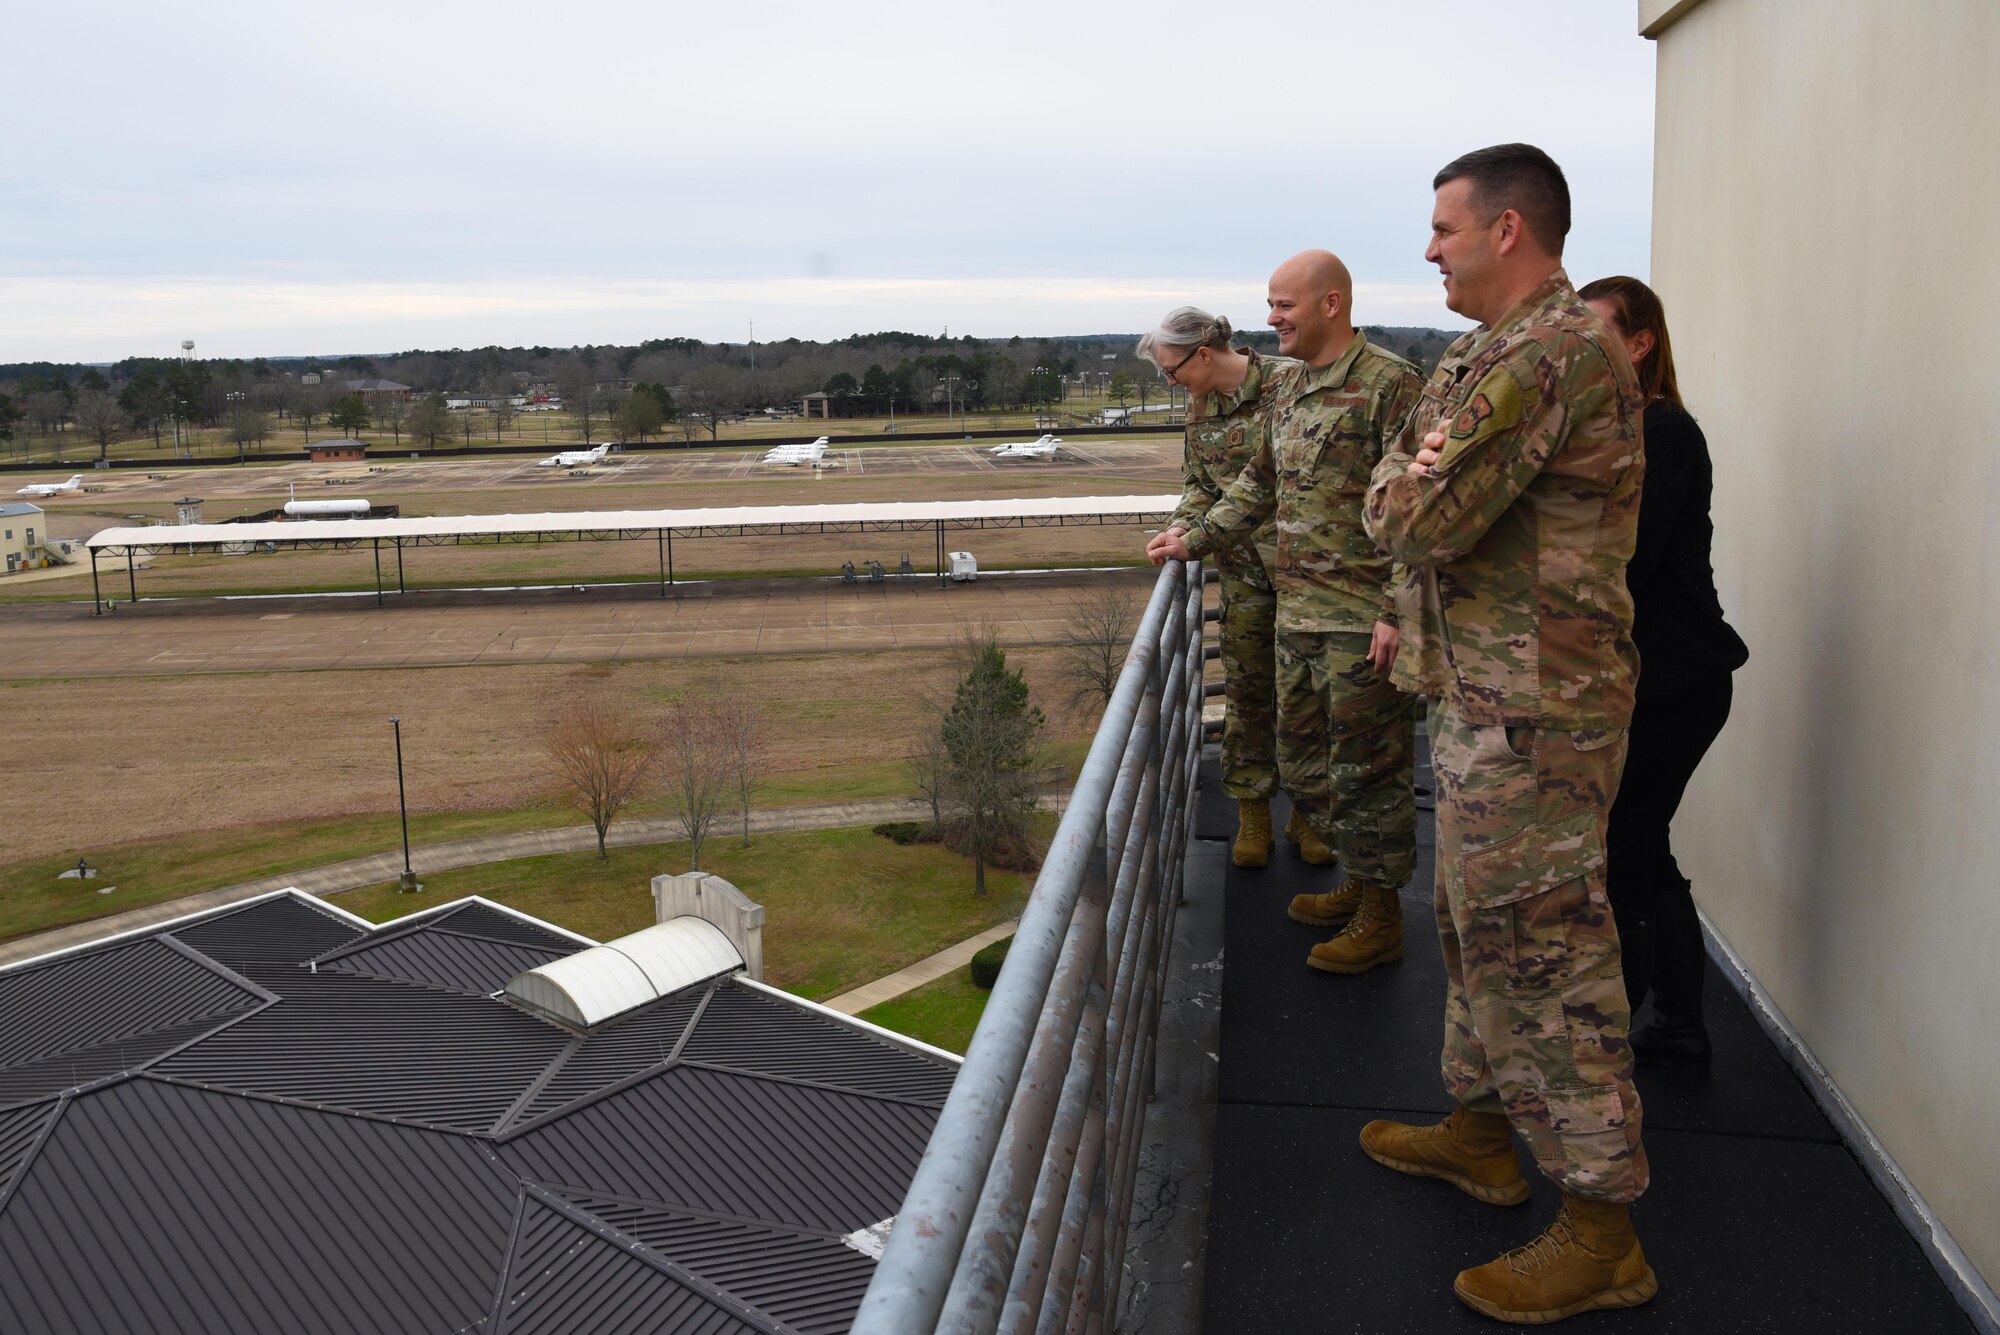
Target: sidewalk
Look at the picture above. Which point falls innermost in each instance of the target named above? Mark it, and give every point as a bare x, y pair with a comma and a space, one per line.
926, 970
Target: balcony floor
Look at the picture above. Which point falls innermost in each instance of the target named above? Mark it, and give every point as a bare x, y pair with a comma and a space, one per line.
1759, 1218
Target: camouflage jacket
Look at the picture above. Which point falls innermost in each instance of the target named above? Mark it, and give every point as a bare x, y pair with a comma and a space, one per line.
1514, 605
1223, 433
1326, 429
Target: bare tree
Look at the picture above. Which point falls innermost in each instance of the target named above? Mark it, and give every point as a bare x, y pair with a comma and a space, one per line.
744, 727
603, 756
100, 418
698, 764
390, 412
248, 426
501, 387
930, 769
429, 420
1095, 636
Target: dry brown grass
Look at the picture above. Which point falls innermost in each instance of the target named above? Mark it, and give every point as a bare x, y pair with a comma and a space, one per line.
99, 762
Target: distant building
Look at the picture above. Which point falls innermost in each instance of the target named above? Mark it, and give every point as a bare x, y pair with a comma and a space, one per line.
374, 391
336, 451
816, 404
20, 533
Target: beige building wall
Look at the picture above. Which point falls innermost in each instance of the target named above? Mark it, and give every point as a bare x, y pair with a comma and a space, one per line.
1826, 237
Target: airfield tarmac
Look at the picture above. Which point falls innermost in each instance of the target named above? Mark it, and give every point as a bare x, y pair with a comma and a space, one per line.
428, 629
474, 486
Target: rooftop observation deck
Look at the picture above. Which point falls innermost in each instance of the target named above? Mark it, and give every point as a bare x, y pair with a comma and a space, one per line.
1759, 1217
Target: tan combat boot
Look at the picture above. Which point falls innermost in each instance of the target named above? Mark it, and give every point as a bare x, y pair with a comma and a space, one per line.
1373, 936
1474, 1151
1311, 847
1333, 909
1253, 833
1587, 1260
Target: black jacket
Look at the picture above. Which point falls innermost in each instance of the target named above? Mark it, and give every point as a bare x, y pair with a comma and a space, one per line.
1683, 640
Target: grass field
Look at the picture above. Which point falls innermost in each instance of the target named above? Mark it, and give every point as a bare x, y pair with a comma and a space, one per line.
841, 907
943, 1013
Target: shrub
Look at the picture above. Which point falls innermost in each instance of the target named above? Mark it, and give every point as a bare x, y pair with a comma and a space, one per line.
986, 964
907, 831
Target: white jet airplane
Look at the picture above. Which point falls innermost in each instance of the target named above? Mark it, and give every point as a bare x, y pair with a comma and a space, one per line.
794, 455
574, 458
1048, 447
75, 483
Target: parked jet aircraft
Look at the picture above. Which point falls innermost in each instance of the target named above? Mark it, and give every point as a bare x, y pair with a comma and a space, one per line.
75, 483
1048, 447
574, 458
794, 455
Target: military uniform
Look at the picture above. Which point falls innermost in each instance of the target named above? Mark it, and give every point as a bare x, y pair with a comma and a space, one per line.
1517, 624
1223, 433
1345, 734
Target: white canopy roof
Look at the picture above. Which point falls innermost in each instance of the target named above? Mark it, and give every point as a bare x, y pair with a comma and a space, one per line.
574, 521
592, 986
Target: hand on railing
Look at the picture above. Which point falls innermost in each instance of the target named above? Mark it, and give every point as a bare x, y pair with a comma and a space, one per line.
1168, 546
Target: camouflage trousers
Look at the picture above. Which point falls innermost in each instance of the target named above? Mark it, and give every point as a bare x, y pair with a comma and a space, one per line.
1249, 727
1535, 1017
1346, 742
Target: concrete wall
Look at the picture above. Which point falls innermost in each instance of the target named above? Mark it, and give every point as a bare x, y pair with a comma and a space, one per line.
1826, 204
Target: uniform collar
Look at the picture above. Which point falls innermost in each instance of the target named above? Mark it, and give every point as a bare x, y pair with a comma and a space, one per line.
1219, 405
1336, 371
1551, 292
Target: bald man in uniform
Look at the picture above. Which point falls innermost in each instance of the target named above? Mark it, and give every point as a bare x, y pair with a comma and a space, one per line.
1346, 735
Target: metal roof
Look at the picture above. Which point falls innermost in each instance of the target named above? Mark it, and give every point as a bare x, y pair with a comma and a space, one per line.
276, 1117
12, 508
648, 521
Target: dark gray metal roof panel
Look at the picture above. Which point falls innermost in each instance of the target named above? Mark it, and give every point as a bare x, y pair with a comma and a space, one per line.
81, 1001
153, 1207
376, 1046
481, 920
729, 1144
268, 936
813, 1284
638, 1041
433, 958
34, 1081
742, 1030
563, 1279
20, 1129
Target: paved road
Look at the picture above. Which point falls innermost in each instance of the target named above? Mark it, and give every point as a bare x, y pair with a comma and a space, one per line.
727, 618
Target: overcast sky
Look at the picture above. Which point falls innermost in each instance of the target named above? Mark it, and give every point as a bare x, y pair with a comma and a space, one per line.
374, 177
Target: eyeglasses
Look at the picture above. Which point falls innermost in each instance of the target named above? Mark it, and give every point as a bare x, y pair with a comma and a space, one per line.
1175, 370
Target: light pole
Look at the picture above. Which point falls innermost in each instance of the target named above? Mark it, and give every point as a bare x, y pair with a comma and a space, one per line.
409, 881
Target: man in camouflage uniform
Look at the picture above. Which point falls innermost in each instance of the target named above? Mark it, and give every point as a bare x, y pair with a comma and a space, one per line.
1222, 434
1346, 735
1513, 499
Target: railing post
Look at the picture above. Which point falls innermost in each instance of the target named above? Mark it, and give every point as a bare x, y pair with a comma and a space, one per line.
1018, 1213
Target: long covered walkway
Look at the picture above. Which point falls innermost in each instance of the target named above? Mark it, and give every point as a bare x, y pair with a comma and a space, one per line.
1759, 1218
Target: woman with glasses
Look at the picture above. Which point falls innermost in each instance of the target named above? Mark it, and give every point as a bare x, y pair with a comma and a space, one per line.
1686, 655
1192, 348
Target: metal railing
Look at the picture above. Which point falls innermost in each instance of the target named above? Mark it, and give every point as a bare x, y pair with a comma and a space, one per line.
1017, 1216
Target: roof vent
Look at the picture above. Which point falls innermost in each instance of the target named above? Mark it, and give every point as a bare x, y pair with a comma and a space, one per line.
598, 984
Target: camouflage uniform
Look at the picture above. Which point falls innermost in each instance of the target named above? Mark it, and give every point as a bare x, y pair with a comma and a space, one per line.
1222, 434
1345, 735
1518, 625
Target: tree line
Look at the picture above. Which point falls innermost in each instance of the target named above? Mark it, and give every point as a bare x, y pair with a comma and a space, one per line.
637, 390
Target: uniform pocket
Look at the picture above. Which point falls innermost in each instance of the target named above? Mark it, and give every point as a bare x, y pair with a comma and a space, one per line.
1539, 859
1531, 899
1597, 1150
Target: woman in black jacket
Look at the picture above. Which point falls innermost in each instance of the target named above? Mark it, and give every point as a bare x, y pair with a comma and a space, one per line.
1686, 655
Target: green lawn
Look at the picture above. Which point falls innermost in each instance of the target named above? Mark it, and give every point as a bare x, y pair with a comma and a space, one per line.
841, 907
942, 1014
32, 899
